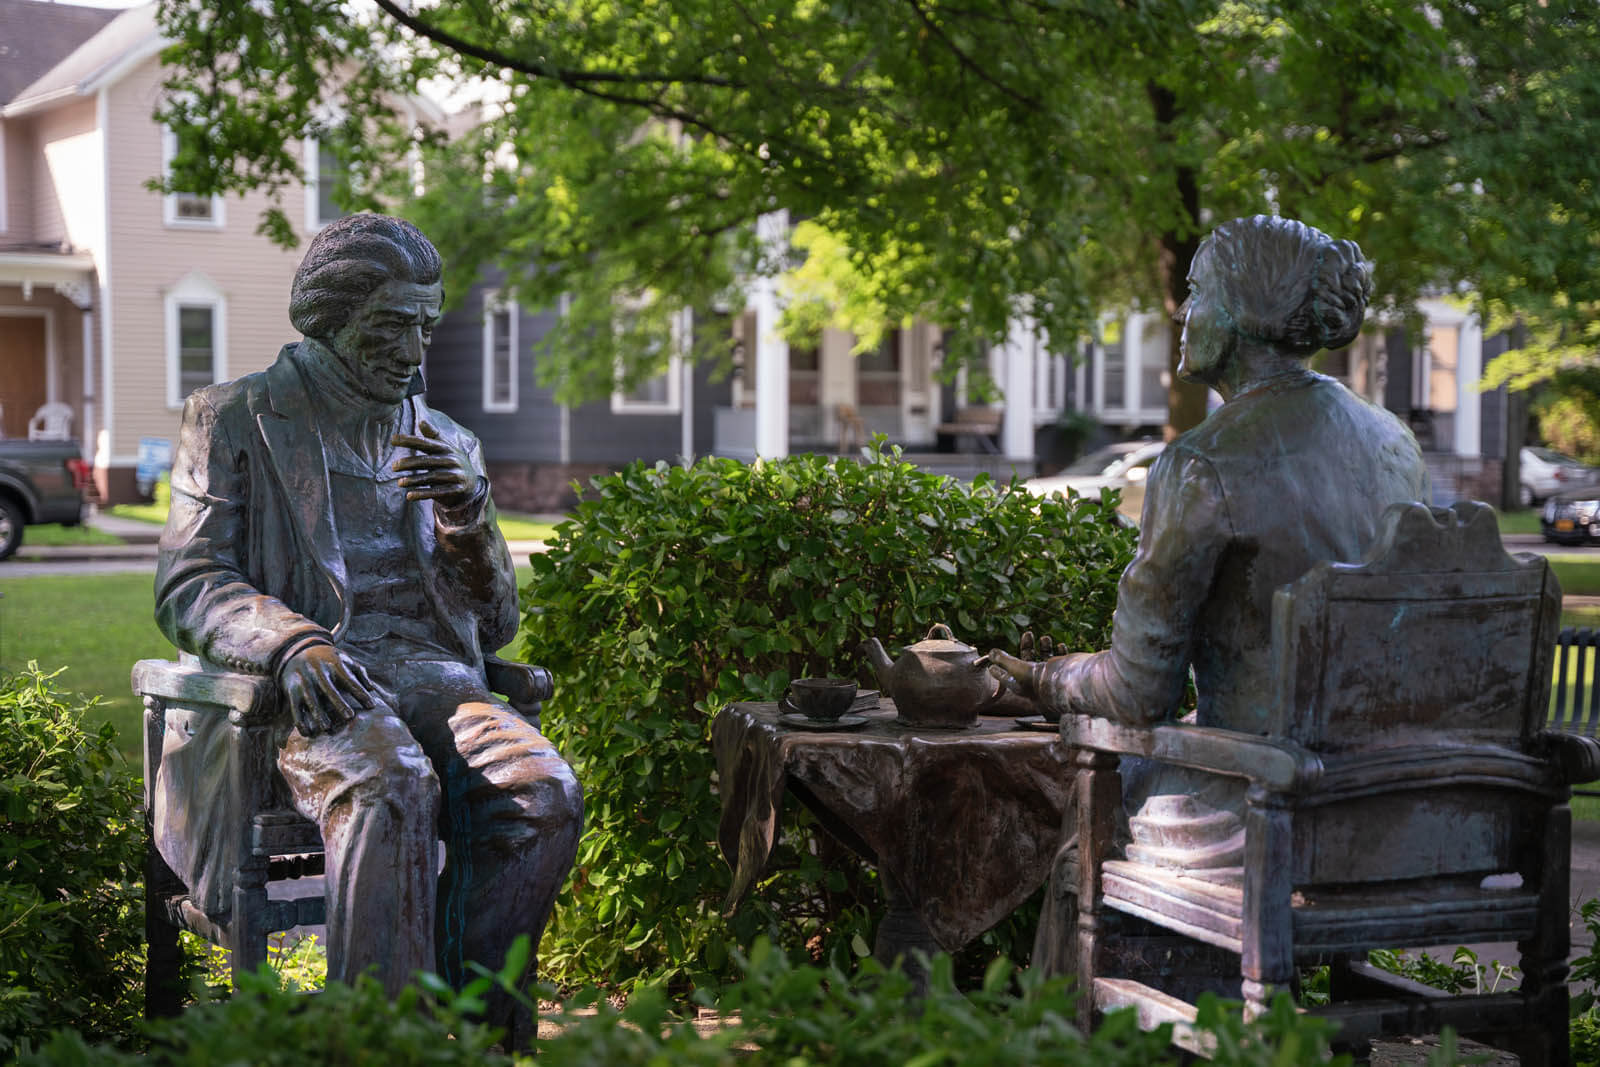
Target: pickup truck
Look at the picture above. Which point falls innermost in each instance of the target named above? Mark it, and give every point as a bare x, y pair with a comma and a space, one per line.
40, 482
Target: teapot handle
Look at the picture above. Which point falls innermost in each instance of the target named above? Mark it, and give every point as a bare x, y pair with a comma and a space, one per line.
939, 629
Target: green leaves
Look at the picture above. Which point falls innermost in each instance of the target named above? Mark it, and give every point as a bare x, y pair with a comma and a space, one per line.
961, 163
71, 844
772, 571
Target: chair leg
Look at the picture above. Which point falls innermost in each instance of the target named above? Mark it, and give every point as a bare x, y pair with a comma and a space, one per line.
249, 933
1099, 796
1267, 961
1543, 1040
163, 961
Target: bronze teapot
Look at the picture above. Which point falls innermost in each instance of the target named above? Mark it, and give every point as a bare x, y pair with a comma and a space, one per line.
938, 681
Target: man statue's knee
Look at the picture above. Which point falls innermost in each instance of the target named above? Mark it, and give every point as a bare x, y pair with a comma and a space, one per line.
552, 803
404, 782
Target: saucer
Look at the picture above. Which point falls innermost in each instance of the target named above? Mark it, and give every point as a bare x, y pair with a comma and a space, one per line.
1037, 722
801, 722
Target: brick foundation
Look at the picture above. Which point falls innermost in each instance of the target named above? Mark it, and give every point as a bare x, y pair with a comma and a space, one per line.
540, 487
117, 485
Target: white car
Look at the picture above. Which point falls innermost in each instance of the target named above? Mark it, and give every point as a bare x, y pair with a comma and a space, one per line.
1546, 472
1123, 466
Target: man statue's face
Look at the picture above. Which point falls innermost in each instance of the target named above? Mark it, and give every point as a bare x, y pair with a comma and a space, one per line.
383, 343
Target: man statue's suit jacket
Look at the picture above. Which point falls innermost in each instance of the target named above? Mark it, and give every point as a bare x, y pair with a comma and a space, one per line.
250, 562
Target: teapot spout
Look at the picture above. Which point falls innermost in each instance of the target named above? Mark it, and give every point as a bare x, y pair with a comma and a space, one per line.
872, 648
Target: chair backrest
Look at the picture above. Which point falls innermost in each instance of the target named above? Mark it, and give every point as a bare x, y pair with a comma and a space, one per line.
52, 422
1438, 635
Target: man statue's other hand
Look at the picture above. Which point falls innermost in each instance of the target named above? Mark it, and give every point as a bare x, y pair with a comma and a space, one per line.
439, 471
325, 689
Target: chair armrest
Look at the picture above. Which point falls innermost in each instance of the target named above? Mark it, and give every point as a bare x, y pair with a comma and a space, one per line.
525, 687
250, 699
1577, 756
1278, 765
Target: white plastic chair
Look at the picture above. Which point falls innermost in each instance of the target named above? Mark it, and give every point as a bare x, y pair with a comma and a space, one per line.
52, 422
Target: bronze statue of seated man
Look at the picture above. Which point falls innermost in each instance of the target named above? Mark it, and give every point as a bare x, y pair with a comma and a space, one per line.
331, 531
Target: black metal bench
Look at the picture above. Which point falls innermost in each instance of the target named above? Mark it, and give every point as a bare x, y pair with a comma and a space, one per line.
1575, 696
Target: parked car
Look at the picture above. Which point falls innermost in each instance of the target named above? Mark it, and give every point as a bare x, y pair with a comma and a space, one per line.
1572, 516
1124, 465
1546, 471
40, 482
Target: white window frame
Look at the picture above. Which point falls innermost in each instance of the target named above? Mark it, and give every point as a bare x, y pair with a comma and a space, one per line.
5, 221
169, 202
623, 404
195, 290
494, 302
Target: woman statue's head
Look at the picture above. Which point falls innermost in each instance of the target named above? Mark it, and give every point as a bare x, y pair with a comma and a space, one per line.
1273, 286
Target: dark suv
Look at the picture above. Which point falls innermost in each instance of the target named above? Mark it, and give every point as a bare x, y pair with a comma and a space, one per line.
1572, 516
40, 482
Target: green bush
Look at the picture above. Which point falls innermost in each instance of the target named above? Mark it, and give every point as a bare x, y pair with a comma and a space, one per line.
675, 591
776, 1014
268, 1023
71, 925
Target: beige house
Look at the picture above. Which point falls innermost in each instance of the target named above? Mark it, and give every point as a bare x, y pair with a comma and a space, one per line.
116, 301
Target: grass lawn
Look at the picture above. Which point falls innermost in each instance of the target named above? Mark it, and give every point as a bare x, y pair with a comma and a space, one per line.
1578, 575
53, 536
1519, 522
515, 527
97, 626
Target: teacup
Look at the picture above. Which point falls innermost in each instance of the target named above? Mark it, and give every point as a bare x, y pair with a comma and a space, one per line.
824, 699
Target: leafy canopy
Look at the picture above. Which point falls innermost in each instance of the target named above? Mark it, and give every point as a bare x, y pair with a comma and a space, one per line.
970, 158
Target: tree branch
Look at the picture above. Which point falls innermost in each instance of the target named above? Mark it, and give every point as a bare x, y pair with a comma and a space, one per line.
566, 76
967, 61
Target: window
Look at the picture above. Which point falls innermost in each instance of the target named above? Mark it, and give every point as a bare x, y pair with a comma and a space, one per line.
187, 209
659, 395
321, 170
499, 353
197, 347
196, 320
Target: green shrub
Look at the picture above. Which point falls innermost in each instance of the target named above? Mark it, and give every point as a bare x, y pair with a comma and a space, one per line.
675, 591
267, 1024
777, 1015
71, 842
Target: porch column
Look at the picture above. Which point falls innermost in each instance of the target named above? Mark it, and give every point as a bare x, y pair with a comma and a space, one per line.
1016, 432
1469, 402
686, 389
771, 350
837, 378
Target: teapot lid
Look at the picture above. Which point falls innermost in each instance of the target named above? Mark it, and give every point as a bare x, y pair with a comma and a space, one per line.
940, 640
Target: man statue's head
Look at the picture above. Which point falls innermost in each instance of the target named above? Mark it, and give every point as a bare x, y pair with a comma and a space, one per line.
1270, 287
369, 290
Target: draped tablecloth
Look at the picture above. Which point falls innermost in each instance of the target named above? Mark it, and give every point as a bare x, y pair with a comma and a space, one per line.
961, 823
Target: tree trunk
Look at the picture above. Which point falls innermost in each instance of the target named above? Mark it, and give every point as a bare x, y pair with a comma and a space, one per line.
1175, 248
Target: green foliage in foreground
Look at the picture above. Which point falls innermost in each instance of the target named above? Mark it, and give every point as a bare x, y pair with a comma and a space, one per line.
777, 1014
676, 591
71, 932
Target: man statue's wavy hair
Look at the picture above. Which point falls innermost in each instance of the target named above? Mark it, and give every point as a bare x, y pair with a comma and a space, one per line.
1286, 284
349, 259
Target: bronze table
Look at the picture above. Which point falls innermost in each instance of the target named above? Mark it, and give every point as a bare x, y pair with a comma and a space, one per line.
962, 824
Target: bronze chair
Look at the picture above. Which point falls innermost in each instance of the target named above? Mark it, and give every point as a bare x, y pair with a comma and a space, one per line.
1404, 795
275, 841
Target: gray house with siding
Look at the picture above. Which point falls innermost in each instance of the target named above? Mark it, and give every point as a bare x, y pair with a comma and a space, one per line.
480, 371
